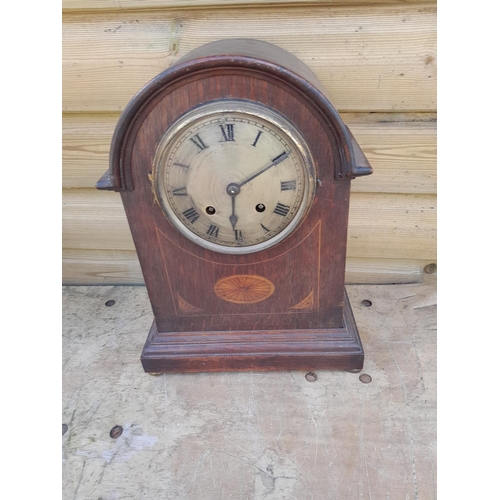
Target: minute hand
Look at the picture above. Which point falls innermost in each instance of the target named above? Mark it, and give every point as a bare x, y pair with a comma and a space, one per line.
275, 161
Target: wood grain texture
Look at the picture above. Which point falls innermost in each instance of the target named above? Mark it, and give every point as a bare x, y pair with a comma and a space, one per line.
403, 152
113, 267
388, 226
403, 156
370, 58
121, 267
88, 5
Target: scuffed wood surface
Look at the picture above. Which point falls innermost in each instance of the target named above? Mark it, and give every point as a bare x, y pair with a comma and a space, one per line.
249, 435
369, 58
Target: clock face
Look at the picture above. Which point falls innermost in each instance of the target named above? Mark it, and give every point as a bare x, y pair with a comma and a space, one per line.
234, 176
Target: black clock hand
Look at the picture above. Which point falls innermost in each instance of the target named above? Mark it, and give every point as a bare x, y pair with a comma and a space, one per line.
233, 218
233, 189
275, 161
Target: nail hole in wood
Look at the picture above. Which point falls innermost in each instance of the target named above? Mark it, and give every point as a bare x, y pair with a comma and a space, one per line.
366, 303
365, 378
430, 268
64, 429
110, 303
116, 431
311, 377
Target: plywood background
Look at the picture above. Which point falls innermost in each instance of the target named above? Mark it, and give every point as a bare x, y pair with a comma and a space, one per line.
377, 61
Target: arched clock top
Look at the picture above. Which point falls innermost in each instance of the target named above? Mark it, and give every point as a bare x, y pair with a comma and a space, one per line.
236, 56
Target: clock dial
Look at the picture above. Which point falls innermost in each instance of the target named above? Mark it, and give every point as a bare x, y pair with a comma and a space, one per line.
234, 177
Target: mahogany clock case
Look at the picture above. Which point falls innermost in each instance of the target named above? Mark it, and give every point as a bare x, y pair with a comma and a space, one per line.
303, 319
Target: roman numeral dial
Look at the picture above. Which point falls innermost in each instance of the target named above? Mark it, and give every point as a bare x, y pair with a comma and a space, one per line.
227, 132
254, 144
234, 177
213, 231
288, 185
198, 142
281, 209
179, 191
191, 215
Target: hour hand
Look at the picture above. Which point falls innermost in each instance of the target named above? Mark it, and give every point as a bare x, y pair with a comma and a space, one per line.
233, 218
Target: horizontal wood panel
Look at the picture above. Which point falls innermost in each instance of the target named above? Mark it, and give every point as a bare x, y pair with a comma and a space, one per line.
85, 5
92, 267
370, 58
402, 154
109, 267
86, 141
389, 226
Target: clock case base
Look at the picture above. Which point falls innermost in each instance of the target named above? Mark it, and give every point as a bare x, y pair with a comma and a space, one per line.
214, 351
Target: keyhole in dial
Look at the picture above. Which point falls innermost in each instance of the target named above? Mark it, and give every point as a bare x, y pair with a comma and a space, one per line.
210, 210
260, 207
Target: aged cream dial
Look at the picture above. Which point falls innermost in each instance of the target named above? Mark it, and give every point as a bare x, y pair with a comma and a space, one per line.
234, 176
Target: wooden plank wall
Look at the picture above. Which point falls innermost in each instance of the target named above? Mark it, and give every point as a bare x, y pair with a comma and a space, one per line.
377, 61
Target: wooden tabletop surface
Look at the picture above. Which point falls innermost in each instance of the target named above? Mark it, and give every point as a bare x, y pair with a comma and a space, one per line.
273, 435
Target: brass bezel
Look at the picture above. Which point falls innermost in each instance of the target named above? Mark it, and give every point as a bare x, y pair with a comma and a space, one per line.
247, 108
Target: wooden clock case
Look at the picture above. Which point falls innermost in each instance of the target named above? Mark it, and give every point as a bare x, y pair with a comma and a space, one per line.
305, 321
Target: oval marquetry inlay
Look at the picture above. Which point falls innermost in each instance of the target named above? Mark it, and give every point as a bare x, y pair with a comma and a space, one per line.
244, 289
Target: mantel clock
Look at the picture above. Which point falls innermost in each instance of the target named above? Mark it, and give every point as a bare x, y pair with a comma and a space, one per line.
234, 169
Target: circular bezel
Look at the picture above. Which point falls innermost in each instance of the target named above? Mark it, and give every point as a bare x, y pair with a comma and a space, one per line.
251, 109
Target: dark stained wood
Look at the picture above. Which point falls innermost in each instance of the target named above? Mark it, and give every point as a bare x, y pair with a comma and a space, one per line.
331, 349
307, 322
